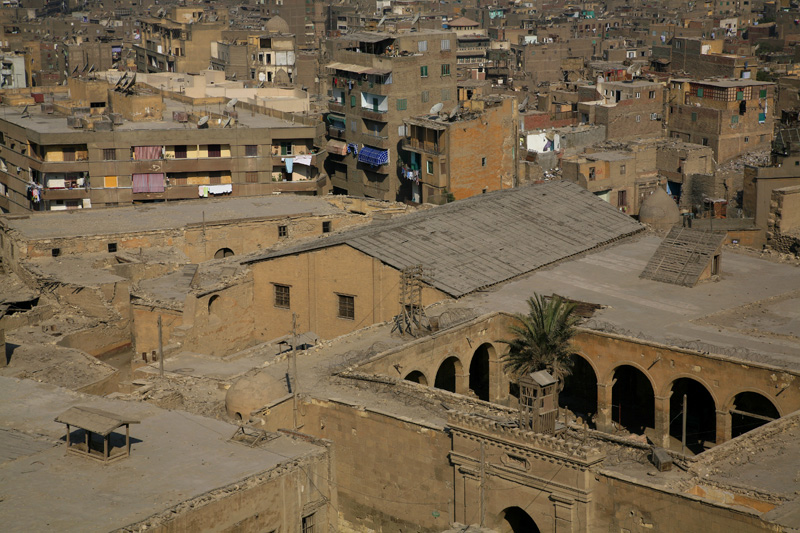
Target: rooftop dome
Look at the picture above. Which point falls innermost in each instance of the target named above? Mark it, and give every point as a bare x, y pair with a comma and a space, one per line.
659, 210
277, 25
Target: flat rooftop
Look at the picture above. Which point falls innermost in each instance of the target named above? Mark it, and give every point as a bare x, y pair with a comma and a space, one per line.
163, 216
751, 313
175, 456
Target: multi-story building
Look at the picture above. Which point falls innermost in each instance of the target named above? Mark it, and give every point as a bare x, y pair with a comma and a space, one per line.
730, 116
704, 57
102, 148
266, 58
306, 19
179, 42
12, 71
377, 80
472, 152
628, 109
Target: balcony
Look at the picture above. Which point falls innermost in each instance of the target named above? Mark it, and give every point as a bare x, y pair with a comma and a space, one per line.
336, 133
415, 145
378, 116
336, 107
375, 140
65, 194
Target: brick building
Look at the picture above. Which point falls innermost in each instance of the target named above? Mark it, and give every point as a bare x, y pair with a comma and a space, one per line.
472, 153
731, 116
628, 109
377, 80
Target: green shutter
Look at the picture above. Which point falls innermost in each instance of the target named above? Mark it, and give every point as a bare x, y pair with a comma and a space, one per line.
762, 93
700, 92
734, 119
694, 117
352, 100
739, 95
401, 104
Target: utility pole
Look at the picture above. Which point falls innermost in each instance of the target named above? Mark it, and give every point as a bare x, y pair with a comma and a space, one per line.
683, 432
160, 348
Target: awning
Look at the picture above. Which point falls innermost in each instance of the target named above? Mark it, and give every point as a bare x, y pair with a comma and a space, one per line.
373, 156
347, 67
336, 147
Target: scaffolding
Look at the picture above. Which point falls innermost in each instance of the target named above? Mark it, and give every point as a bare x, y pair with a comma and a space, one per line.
412, 318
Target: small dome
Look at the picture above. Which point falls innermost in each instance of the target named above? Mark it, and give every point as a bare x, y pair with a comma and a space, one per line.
277, 25
253, 391
659, 210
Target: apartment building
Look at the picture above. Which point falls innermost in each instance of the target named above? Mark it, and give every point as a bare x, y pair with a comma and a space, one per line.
101, 147
469, 152
378, 80
628, 109
179, 42
267, 59
731, 116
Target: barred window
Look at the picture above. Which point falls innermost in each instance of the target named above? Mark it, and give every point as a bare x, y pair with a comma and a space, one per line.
109, 154
282, 296
347, 307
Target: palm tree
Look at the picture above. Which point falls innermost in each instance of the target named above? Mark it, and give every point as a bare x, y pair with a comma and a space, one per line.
542, 339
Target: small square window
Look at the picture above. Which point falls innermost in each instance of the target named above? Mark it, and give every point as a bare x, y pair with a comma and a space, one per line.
326, 226
109, 154
762, 93
112, 247
429, 166
282, 297
422, 46
651, 94
622, 170
591, 173
283, 231
347, 307
251, 177
694, 117
734, 119
426, 95
251, 150
55, 252
423, 71
747, 139
638, 118
402, 103
445, 69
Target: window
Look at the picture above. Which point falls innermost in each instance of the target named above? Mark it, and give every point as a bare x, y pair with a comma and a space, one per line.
352, 100
426, 95
445, 69
180, 151
651, 94
69, 154
402, 104
423, 71
308, 524
622, 170
214, 150
109, 154
110, 182
705, 141
55, 252
112, 247
734, 119
747, 139
762, 93
694, 117
700, 92
251, 150
282, 298
347, 307
326, 226
638, 95
429, 167
445, 95
483, 161
445, 44
622, 198
422, 46
638, 118
251, 177
591, 173
286, 147
739, 95
283, 231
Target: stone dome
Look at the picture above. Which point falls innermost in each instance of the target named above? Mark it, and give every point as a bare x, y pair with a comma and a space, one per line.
253, 391
659, 210
277, 25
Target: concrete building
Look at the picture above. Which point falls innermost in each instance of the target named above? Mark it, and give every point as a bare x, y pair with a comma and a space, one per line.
467, 153
266, 59
377, 80
730, 116
179, 42
704, 58
628, 110
12, 72
63, 155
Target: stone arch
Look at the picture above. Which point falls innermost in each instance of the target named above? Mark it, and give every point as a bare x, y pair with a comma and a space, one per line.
632, 398
580, 388
214, 304
516, 520
479, 380
417, 377
749, 410
223, 252
701, 418
448, 374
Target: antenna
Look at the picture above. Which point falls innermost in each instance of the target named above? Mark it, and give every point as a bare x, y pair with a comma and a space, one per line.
203, 121
436, 108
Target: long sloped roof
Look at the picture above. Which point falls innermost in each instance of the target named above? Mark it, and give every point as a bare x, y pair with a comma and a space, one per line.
486, 239
682, 256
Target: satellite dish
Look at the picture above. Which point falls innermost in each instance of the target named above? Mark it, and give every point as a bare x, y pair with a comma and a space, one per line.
120, 81
203, 121
416, 19
232, 103
523, 105
380, 23
233, 76
91, 69
25, 112
75, 69
454, 112
227, 122
435, 109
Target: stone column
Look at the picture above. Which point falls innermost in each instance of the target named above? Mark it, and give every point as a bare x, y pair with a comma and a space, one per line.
724, 427
498, 385
563, 513
604, 419
662, 420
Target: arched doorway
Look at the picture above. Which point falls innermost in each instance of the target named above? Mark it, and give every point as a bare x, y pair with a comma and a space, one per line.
446, 375
214, 305
417, 377
580, 389
632, 400
479, 371
515, 520
751, 410
701, 414
223, 252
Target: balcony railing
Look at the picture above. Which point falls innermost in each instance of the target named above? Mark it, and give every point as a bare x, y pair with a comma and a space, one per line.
375, 139
336, 133
379, 116
336, 107
415, 145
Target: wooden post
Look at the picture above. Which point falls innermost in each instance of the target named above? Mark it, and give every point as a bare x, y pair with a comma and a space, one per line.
68, 436
160, 348
128, 438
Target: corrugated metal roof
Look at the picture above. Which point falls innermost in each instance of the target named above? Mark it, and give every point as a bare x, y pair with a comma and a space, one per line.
486, 239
